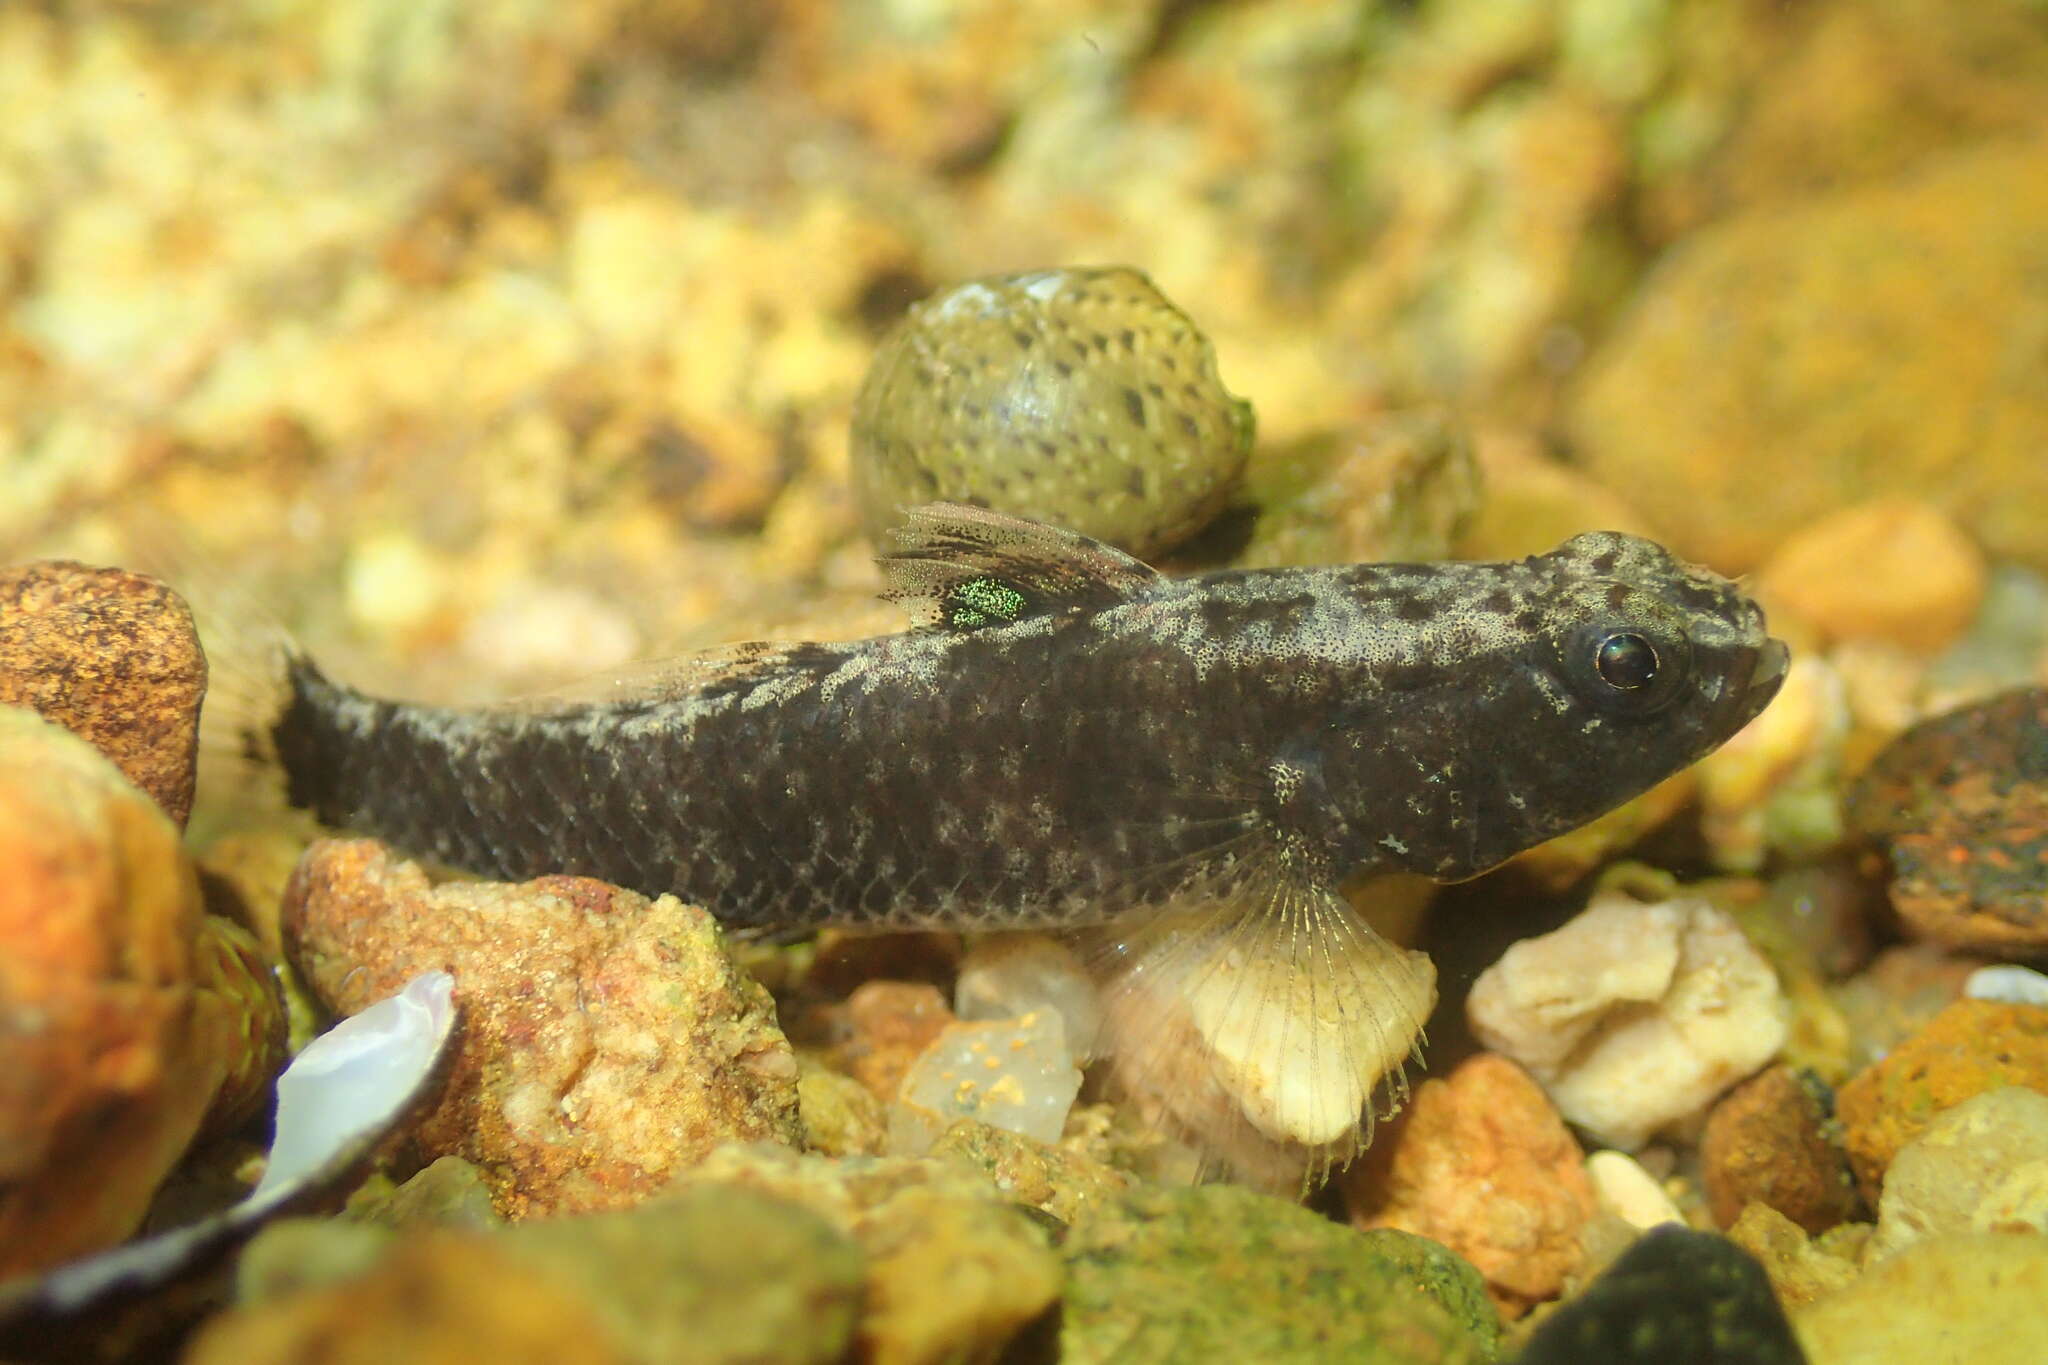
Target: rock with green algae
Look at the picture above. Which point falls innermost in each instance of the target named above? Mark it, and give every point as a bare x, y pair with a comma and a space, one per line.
1958, 1299
1053, 1180
710, 1274
955, 1270
1218, 1273
1079, 397
1402, 488
1677, 1297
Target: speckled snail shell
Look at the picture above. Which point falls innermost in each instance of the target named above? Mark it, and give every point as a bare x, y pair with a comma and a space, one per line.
1079, 397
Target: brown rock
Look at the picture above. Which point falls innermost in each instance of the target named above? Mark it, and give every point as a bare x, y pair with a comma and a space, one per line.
1960, 805
1767, 1142
892, 1023
1892, 570
1969, 1048
1484, 1165
607, 1041
112, 656
126, 1013
1891, 317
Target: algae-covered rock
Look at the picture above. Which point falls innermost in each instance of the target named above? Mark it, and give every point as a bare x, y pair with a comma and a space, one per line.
1400, 489
1054, 1180
710, 1274
1218, 1273
955, 1269
1079, 397
1677, 1297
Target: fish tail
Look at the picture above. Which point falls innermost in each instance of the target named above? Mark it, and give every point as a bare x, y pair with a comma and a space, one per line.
255, 670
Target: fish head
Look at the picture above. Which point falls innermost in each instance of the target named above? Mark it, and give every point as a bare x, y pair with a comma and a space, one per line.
1556, 688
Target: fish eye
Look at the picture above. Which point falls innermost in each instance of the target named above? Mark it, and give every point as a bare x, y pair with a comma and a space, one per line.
1629, 667
1626, 661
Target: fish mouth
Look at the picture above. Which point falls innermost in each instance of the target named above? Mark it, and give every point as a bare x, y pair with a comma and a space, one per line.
1753, 693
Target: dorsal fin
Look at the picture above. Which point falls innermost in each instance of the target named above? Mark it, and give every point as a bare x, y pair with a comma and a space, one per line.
967, 567
653, 681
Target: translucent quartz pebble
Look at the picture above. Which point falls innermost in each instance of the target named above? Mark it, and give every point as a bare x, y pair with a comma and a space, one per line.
1007, 975
1009, 1073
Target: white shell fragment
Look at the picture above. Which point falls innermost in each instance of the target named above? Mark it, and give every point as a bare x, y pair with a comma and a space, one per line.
357, 1077
1009, 1073
347, 1090
1633, 1017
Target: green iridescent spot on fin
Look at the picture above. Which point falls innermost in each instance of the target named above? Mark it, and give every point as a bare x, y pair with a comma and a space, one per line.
975, 602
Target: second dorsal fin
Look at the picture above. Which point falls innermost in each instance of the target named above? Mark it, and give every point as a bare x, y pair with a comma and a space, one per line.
965, 568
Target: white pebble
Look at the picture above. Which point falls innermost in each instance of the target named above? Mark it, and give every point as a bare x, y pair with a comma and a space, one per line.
1628, 1191
2008, 984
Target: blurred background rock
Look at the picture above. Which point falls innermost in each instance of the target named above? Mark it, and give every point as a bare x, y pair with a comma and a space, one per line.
507, 342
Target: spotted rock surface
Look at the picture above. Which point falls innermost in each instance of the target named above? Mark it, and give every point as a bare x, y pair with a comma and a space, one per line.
607, 1044
112, 656
1079, 397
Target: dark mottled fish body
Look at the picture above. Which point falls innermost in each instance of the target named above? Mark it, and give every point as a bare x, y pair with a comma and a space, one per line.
1068, 736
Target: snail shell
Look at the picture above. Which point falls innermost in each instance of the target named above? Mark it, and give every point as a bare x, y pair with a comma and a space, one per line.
1078, 397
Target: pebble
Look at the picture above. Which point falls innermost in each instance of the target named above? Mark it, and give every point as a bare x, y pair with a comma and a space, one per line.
1970, 1047
1633, 1017
889, 1025
1959, 804
1801, 1268
1060, 1181
1220, 1273
1629, 1192
1895, 996
955, 1269
1768, 1142
1013, 1073
1676, 1295
2012, 984
1980, 1166
1969, 1298
1893, 570
608, 1042
1482, 1163
1960, 809
1078, 397
1003, 976
714, 1274
1882, 317
129, 1018
114, 657
1395, 488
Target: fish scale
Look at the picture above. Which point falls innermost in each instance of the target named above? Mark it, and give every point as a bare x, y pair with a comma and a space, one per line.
1066, 736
